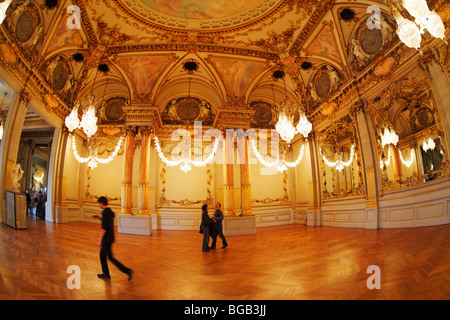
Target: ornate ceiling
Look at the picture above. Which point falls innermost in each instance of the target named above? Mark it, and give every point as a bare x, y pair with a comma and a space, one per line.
222, 54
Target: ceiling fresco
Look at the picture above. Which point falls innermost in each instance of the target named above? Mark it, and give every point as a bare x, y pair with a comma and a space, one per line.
200, 9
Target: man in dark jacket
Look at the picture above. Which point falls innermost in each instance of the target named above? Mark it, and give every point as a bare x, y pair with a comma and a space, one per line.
106, 240
218, 218
205, 228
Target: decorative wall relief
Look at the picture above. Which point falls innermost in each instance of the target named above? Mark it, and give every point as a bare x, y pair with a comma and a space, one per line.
368, 43
264, 116
187, 109
58, 74
324, 83
111, 111
24, 23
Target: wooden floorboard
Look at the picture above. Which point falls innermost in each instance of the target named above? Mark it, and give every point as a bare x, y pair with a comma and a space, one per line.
278, 263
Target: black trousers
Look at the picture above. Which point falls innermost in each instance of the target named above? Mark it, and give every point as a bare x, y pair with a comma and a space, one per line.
106, 252
218, 232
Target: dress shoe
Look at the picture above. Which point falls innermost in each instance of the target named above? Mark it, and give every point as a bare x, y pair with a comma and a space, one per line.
130, 274
104, 276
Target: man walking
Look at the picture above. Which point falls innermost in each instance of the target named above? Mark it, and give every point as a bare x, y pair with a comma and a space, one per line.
106, 240
218, 218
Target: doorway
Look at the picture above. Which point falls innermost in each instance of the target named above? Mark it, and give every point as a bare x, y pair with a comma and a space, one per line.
34, 157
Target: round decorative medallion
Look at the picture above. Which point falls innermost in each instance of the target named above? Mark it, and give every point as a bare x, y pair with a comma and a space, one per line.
114, 110
371, 40
25, 27
188, 109
263, 114
59, 77
423, 117
323, 85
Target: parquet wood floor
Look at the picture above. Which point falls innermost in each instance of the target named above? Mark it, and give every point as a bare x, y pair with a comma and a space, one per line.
278, 263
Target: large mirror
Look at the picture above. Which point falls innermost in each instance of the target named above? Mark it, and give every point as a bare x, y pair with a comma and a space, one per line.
418, 155
340, 160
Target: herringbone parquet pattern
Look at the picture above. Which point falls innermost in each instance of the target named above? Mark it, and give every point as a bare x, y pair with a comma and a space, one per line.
286, 262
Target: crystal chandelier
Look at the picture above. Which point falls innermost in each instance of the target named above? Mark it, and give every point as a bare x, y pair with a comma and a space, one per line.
186, 162
3, 8
92, 160
410, 32
304, 126
428, 145
339, 164
409, 162
281, 165
389, 137
88, 121
284, 127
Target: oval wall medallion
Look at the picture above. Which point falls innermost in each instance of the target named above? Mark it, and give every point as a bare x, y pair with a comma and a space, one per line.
371, 40
25, 27
59, 77
114, 110
323, 85
188, 109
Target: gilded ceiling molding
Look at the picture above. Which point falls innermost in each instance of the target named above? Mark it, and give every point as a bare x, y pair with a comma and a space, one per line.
86, 23
316, 16
186, 47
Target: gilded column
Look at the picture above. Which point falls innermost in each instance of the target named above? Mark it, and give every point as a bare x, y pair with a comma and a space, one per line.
246, 189
228, 179
396, 165
144, 169
127, 173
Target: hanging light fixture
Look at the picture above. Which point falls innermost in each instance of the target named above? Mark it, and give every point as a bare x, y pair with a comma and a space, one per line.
304, 126
407, 31
433, 23
280, 165
410, 32
409, 162
3, 8
389, 137
186, 162
72, 122
92, 160
428, 144
284, 125
339, 164
416, 8
89, 119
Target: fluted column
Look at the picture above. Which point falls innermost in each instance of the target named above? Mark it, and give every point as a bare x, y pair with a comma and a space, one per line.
127, 173
246, 189
144, 168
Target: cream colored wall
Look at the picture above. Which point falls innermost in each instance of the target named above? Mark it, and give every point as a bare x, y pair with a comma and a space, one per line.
190, 185
106, 180
71, 172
